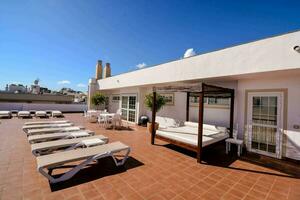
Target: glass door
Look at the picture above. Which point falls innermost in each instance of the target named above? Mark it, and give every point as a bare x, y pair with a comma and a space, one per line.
128, 108
265, 120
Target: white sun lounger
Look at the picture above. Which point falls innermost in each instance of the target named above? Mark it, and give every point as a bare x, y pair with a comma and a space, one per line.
40, 126
5, 114
86, 155
46, 122
23, 114
53, 130
45, 148
57, 113
59, 135
41, 113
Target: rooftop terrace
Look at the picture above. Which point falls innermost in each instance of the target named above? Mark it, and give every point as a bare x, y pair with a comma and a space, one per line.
157, 172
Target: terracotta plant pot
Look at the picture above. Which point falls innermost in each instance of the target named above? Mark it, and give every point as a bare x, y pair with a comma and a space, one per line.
149, 126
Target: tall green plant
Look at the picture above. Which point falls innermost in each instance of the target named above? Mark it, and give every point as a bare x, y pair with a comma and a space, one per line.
160, 101
98, 99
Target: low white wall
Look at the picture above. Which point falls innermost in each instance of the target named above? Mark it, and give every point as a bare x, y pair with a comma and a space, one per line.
35, 106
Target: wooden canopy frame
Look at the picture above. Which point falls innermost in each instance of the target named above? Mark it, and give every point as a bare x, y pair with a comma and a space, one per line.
201, 90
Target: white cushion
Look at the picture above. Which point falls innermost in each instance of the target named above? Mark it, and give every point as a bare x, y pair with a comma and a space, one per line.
72, 128
92, 142
165, 122
79, 134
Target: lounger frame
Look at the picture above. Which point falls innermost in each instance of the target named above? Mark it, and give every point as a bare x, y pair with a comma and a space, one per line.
73, 171
40, 152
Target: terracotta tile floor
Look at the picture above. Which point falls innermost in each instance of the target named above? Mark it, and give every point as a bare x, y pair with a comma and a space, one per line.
152, 172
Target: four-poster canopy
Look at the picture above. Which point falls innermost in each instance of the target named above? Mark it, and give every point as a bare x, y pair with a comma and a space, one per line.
201, 90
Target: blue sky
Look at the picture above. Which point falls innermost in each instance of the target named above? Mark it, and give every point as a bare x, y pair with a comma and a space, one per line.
61, 40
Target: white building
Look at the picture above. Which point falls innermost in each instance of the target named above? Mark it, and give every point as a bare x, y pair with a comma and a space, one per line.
265, 75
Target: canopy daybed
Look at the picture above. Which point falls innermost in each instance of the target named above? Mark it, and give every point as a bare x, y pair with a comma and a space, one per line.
194, 136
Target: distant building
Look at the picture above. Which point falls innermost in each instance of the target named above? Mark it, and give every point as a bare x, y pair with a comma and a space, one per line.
35, 88
79, 97
36, 98
38, 94
16, 88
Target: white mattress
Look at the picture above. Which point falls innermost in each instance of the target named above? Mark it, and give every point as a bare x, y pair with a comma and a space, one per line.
5, 113
23, 113
189, 135
56, 113
40, 113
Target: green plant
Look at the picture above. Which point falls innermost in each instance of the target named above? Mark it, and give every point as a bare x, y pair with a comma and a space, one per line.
98, 99
160, 101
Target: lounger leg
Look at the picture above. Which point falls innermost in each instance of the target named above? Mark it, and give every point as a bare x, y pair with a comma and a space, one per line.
73, 171
226, 147
121, 162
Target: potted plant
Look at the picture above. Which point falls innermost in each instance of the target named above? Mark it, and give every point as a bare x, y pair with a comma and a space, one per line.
160, 102
97, 100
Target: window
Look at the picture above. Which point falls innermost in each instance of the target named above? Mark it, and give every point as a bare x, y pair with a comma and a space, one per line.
218, 101
128, 108
210, 102
169, 98
115, 98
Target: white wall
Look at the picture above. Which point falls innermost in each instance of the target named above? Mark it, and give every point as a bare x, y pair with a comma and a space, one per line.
216, 116
271, 54
35, 106
292, 83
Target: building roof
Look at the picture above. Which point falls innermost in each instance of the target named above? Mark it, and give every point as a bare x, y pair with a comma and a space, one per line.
266, 55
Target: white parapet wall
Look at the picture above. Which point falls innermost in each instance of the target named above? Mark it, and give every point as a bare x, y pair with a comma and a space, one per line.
43, 106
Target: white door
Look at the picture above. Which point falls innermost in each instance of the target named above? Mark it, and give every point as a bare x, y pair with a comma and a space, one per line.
265, 117
128, 108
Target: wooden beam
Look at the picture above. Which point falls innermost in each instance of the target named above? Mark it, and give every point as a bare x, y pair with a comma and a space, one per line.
187, 117
153, 117
231, 114
200, 127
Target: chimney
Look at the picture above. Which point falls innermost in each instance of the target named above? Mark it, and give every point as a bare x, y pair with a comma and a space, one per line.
99, 70
107, 71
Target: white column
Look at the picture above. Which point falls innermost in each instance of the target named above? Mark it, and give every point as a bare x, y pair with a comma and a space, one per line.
93, 87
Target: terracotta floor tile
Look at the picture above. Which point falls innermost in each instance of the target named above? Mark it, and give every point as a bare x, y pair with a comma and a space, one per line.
188, 195
240, 194
257, 194
152, 172
90, 194
75, 197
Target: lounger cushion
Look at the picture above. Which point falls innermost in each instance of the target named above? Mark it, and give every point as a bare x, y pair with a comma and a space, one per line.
92, 142
192, 139
206, 126
165, 122
40, 113
56, 136
67, 142
46, 122
53, 130
46, 126
79, 134
58, 159
23, 113
56, 112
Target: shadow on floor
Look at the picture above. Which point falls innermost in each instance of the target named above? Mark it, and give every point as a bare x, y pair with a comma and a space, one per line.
122, 128
215, 155
105, 167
